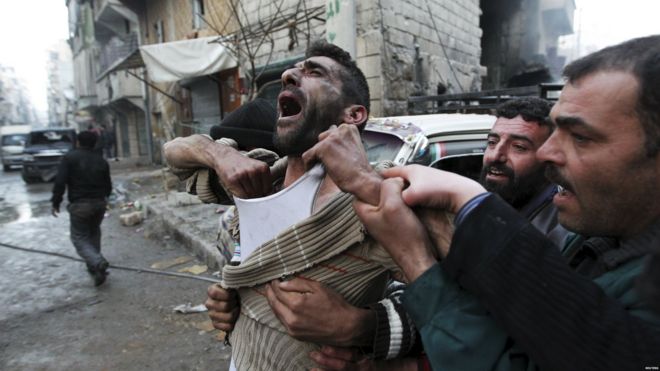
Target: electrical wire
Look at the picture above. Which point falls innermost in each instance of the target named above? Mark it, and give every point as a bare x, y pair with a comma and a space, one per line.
442, 46
121, 267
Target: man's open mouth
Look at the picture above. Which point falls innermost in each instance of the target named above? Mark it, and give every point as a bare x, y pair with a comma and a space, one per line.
289, 105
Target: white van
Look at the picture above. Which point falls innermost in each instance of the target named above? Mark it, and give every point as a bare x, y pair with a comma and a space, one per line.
12, 139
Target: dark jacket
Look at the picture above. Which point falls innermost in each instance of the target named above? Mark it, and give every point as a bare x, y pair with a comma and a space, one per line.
511, 301
86, 175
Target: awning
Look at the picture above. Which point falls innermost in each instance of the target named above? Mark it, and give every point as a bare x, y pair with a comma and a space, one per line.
178, 60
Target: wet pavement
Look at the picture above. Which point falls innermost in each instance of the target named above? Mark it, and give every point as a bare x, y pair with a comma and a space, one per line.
53, 318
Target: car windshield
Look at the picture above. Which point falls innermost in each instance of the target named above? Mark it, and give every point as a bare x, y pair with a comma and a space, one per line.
49, 137
14, 140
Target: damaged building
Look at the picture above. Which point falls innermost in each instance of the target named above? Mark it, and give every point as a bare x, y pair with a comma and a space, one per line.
198, 60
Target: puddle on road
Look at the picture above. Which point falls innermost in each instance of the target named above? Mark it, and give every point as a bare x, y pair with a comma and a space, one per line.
23, 211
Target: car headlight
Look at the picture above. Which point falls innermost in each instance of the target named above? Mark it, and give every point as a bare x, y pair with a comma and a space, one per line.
28, 158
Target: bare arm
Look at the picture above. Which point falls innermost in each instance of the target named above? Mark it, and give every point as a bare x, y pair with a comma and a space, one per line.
240, 175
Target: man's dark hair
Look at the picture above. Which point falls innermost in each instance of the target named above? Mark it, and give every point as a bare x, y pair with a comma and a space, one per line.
87, 139
530, 109
641, 58
354, 84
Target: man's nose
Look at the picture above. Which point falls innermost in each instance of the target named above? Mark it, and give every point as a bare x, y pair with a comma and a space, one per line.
291, 77
497, 154
550, 150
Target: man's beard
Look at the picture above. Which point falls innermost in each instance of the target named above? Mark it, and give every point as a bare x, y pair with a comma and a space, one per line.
520, 189
316, 119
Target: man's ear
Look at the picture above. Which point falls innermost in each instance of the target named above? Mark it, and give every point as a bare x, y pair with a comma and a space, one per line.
355, 114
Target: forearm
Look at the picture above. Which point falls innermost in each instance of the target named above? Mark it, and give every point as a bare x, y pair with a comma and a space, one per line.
359, 328
195, 151
366, 187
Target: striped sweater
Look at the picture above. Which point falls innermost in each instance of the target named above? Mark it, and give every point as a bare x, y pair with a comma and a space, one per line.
330, 247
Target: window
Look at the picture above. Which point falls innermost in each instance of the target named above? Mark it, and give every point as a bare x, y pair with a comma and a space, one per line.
159, 32
198, 13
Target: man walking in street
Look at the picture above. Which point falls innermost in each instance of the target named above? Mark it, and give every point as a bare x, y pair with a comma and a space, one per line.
86, 175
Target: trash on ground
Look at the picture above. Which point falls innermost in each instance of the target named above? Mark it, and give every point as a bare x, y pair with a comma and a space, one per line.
131, 219
172, 262
189, 308
206, 326
194, 269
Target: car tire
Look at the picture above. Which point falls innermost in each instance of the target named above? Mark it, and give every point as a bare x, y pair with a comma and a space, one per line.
30, 179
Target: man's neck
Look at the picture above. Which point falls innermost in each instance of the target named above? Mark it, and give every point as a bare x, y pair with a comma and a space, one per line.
296, 168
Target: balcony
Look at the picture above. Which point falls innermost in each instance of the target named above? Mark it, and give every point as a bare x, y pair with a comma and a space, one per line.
113, 14
119, 85
558, 16
115, 51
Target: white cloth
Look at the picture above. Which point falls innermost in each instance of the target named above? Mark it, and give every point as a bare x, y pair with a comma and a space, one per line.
261, 219
182, 59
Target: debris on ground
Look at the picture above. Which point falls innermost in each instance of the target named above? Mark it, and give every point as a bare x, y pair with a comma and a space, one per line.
189, 308
194, 269
172, 262
205, 326
130, 219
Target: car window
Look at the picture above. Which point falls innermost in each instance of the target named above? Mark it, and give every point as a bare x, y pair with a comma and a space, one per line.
50, 137
467, 165
380, 146
14, 139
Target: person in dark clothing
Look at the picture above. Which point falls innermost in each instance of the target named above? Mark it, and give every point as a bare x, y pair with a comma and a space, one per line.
86, 175
250, 125
503, 298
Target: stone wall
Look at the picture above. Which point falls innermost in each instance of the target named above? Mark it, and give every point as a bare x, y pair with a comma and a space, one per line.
423, 48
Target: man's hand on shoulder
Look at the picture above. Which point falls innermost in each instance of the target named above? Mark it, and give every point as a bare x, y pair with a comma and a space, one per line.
341, 151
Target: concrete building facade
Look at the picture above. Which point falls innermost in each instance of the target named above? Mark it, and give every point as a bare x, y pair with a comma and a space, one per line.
15, 105
60, 92
103, 32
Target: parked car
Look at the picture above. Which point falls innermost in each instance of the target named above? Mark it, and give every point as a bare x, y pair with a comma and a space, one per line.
452, 142
12, 139
43, 151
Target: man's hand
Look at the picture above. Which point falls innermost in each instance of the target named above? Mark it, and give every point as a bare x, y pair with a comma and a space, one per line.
440, 227
341, 151
241, 176
396, 227
223, 307
344, 359
435, 188
55, 211
313, 312
244, 177
349, 359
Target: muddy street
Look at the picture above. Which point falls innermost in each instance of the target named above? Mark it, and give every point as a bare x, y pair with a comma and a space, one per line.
53, 318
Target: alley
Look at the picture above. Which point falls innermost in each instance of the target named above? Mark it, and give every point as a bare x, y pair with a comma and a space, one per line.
53, 318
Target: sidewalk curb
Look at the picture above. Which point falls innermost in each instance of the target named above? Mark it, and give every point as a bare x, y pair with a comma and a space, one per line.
175, 214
